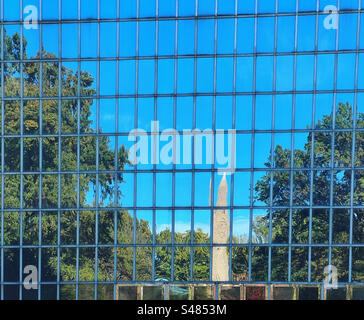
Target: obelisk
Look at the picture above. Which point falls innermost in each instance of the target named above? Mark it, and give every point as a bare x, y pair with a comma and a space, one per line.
221, 232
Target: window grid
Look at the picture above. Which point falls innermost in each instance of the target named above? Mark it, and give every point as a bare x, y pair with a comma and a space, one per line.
155, 170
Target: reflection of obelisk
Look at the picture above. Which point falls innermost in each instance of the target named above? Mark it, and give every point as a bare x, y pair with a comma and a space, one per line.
221, 232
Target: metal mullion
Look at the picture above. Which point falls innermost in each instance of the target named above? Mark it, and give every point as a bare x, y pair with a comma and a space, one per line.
204, 17
332, 160
116, 194
97, 151
198, 94
353, 147
271, 182
252, 145
40, 155
2, 152
233, 142
154, 139
193, 145
293, 124
212, 190
78, 151
174, 141
21, 152
59, 148
312, 150
136, 126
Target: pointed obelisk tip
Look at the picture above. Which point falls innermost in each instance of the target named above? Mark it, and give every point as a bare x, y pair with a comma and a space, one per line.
222, 193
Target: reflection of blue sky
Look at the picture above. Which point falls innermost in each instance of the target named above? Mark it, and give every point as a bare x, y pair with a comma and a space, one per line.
205, 83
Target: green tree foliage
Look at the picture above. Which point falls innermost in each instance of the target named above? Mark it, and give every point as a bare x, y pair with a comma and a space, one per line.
322, 150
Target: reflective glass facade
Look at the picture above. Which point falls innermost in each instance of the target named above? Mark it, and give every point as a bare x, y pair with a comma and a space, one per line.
182, 149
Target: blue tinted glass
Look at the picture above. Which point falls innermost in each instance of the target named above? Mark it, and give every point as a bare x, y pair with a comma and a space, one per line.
126, 115
107, 115
307, 5
204, 113
305, 72
147, 38
349, 4
244, 74
345, 71
226, 7
165, 76
324, 3
108, 39
325, 71
167, 8
264, 77
11, 10
266, 6
32, 38
107, 78
108, 9
145, 113
186, 37
128, 8
246, 6
285, 40
50, 10
144, 196
263, 112
283, 112
225, 36
287, 6
284, 73
206, 33
184, 113
347, 31
306, 33
224, 107
303, 111
89, 9
225, 73
147, 8
326, 37
69, 35
69, 9
186, 8
127, 44
146, 76
165, 113
50, 38
205, 68
206, 7
361, 71
245, 36
185, 75
127, 77
89, 40
243, 142
166, 37
361, 44
244, 110
265, 35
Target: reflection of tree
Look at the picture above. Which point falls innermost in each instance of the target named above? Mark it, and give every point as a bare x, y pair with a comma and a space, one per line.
321, 197
46, 74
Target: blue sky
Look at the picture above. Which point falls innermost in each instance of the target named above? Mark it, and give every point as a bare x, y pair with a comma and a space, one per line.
265, 66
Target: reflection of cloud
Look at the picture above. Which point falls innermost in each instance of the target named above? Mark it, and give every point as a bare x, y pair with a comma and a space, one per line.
162, 227
205, 227
182, 227
108, 117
